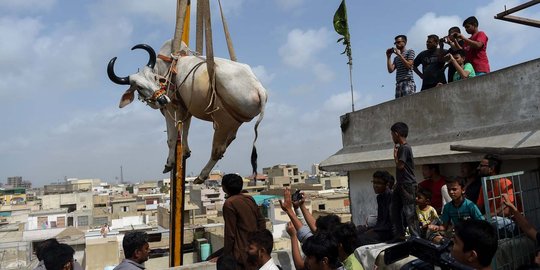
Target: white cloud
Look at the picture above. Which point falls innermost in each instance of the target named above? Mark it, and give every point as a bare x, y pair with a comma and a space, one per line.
323, 73
302, 46
263, 75
341, 102
429, 24
289, 4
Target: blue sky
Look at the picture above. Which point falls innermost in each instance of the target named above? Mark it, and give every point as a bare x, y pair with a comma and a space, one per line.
60, 115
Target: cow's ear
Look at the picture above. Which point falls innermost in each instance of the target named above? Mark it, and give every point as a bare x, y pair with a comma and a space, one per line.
127, 97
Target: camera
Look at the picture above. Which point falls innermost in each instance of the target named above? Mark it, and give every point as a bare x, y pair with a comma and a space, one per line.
296, 196
428, 254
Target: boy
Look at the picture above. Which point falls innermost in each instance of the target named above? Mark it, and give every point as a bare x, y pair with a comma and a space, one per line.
426, 213
403, 195
475, 46
456, 211
382, 231
463, 70
475, 243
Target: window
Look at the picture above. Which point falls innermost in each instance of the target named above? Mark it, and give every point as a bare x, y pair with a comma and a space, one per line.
100, 220
322, 207
82, 221
125, 208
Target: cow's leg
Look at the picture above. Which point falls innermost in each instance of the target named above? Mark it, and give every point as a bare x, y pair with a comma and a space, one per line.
223, 136
172, 136
185, 129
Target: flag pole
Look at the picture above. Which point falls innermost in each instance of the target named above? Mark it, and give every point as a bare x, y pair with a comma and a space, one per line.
342, 27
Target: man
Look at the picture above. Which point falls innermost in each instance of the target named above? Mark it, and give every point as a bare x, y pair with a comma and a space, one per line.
404, 194
432, 61
242, 216
455, 45
490, 165
321, 252
59, 257
475, 243
260, 245
433, 182
403, 63
48, 246
136, 251
475, 46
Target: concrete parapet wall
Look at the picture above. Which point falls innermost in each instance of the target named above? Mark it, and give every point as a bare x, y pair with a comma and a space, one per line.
472, 108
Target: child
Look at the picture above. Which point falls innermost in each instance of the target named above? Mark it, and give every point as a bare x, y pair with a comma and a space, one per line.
463, 70
382, 231
475, 244
475, 46
426, 213
403, 195
457, 210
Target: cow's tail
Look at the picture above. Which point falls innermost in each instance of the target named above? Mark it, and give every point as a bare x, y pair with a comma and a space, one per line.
263, 97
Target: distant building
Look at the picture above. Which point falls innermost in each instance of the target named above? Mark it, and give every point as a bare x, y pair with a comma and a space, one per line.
284, 175
315, 169
14, 181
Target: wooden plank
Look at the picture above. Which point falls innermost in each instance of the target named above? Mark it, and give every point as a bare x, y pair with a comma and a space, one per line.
176, 228
534, 151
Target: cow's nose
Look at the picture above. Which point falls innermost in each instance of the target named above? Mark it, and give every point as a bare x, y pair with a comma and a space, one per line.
163, 100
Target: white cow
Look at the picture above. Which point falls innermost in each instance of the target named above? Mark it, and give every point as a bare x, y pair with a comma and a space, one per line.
238, 98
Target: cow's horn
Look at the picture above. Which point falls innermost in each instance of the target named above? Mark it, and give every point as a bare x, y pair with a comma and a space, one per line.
151, 53
113, 77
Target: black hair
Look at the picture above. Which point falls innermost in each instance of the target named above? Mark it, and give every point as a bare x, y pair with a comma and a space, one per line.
262, 238
425, 193
433, 37
346, 235
471, 20
458, 180
227, 262
133, 240
531, 266
56, 256
233, 183
495, 162
387, 178
480, 236
462, 53
322, 245
401, 129
454, 29
43, 246
404, 37
326, 223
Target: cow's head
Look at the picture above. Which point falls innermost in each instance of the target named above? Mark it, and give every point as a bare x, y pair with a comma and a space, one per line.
145, 82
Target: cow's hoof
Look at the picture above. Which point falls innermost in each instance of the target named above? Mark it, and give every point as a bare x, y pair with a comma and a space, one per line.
187, 154
198, 180
167, 169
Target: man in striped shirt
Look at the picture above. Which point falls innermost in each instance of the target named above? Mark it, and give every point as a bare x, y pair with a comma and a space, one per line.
403, 63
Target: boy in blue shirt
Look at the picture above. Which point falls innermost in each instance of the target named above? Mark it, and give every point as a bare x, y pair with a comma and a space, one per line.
457, 210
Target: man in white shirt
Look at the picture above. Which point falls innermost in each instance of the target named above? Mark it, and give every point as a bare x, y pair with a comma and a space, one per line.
260, 245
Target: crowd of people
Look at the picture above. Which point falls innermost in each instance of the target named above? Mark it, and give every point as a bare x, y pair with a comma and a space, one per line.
439, 209
465, 58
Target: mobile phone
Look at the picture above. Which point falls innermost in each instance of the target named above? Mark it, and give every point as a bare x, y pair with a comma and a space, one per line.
296, 196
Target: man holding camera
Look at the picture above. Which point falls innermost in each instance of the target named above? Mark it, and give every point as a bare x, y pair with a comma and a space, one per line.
403, 63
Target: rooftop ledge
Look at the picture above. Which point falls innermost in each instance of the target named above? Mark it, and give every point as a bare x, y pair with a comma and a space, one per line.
499, 109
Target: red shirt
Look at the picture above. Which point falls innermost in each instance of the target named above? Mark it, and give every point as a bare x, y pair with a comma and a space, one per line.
478, 57
494, 190
435, 188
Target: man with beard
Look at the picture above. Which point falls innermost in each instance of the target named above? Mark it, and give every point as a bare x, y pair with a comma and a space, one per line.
490, 165
260, 246
136, 251
432, 61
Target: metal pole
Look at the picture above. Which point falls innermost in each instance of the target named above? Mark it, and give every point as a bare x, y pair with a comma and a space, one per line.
176, 228
350, 80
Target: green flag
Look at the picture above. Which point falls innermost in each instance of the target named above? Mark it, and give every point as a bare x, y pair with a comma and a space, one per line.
342, 27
